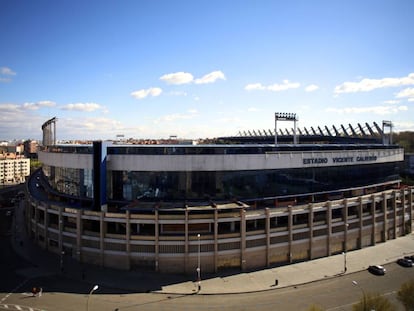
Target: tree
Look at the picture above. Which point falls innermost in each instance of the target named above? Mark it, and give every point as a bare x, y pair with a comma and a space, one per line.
34, 165
405, 140
406, 295
373, 302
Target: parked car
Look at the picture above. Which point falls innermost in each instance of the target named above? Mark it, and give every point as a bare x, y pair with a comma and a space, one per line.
411, 257
405, 262
377, 270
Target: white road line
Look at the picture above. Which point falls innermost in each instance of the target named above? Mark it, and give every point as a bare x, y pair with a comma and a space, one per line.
13, 290
18, 307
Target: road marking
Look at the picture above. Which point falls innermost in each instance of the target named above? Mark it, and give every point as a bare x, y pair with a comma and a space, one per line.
352, 303
18, 307
13, 290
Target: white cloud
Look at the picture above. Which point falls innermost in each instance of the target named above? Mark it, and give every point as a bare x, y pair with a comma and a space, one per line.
391, 102
177, 93
86, 128
5, 74
7, 71
403, 126
20, 121
409, 92
27, 106
285, 85
191, 114
253, 109
31, 106
181, 77
177, 78
38, 105
379, 110
141, 94
254, 87
211, 77
366, 85
47, 103
87, 107
9, 107
311, 88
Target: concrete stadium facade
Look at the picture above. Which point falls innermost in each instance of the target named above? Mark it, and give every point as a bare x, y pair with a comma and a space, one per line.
152, 218
305, 232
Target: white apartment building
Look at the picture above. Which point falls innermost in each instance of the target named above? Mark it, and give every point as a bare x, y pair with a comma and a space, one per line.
14, 171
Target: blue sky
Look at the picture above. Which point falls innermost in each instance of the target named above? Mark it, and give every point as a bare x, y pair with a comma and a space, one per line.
197, 69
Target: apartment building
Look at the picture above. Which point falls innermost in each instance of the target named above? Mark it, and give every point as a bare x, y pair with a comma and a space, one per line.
14, 170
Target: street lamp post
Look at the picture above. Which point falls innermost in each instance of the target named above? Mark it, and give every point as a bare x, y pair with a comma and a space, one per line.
345, 268
363, 293
198, 264
90, 293
62, 253
345, 245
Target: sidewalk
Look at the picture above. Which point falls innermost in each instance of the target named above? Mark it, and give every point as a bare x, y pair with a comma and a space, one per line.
47, 264
301, 273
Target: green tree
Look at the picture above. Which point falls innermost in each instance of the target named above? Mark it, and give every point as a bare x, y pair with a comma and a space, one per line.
373, 302
34, 165
406, 295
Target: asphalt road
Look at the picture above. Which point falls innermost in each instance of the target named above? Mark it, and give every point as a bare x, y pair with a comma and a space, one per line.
61, 293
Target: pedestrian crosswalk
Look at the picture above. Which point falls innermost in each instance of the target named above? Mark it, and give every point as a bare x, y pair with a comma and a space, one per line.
14, 307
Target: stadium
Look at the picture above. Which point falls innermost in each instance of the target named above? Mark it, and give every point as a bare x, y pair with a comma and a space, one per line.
255, 200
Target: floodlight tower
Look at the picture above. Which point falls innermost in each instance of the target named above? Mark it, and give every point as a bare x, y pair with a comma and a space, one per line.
384, 125
283, 116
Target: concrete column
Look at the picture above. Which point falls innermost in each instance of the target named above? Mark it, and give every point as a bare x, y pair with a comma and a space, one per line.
215, 241
373, 234
243, 239
29, 216
329, 223
128, 238
290, 229
410, 207
46, 226
310, 226
79, 231
384, 210
346, 224
186, 241
36, 229
157, 242
361, 220
404, 210
60, 229
404, 207
394, 209
267, 232
102, 230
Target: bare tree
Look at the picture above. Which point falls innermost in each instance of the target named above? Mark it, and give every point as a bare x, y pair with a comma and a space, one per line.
373, 302
406, 295
315, 307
